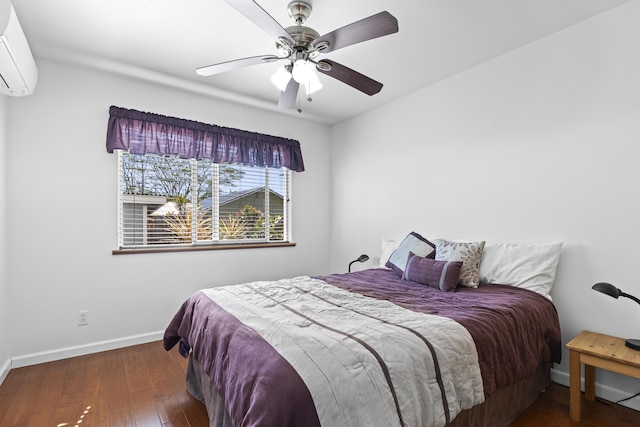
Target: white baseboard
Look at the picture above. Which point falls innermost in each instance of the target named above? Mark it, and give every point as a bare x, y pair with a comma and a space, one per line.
4, 370
605, 392
81, 350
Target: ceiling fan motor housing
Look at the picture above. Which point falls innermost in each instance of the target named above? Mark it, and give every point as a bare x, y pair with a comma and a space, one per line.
303, 36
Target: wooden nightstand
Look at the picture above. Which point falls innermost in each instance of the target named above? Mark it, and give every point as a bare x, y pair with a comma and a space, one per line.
597, 351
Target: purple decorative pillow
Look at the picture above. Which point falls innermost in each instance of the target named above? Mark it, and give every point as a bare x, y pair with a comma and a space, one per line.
412, 243
443, 275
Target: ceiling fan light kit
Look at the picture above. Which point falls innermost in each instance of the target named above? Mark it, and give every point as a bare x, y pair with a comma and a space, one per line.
302, 69
301, 45
281, 78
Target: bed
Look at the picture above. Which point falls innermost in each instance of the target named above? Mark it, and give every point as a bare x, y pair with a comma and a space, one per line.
368, 348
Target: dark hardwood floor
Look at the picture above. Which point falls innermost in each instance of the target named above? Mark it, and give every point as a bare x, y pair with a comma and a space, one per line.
144, 386
551, 409
136, 386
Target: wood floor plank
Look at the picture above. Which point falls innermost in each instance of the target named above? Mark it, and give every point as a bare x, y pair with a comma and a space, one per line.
12, 382
48, 398
120, 412
70, 401
168, 402
136, 364
144, 386
193, 412
19, 410
95, 402
146, 413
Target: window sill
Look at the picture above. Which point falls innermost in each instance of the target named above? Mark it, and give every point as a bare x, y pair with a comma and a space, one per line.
201, 248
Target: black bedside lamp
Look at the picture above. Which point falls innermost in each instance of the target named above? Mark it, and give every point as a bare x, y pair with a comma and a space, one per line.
361, 258
609, 289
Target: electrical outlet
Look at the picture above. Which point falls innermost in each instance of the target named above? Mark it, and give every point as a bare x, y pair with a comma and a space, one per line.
83, 318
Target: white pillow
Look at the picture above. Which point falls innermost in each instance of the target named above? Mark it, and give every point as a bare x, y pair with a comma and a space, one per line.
531, 267
388, 246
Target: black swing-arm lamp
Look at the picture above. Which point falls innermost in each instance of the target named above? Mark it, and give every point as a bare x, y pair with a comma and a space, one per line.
361, 258
612, 291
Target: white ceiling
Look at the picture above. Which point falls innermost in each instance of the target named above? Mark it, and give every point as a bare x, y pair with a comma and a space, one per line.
166, 40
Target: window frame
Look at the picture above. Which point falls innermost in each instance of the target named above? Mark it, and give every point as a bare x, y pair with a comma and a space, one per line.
215, 243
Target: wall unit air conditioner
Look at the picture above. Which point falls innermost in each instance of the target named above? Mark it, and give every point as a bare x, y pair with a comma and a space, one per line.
18, 71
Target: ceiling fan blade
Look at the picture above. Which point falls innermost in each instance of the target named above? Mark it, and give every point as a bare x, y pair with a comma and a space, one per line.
289, 96
210, 70
261, 18
351, 77
378, 25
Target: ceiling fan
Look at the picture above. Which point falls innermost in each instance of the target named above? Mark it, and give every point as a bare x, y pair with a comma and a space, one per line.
301, 45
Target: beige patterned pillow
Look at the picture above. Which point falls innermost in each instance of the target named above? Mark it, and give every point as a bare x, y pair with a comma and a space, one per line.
467, 252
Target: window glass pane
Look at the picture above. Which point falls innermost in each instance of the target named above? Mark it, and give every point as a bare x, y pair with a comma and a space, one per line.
204, 201
242, 202
278, 199
160, 188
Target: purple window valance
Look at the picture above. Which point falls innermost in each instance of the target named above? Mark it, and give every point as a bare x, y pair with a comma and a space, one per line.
148, 133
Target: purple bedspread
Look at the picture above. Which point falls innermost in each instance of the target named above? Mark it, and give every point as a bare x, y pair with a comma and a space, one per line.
260, 388
515, 330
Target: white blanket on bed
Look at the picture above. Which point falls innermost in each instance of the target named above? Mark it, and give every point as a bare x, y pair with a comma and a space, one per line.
366, 362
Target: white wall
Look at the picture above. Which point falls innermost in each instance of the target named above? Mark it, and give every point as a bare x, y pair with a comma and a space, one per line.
538, 145
4, 282
62, 216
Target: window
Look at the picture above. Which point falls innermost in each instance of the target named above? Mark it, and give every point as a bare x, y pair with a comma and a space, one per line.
169, 201
191, 185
